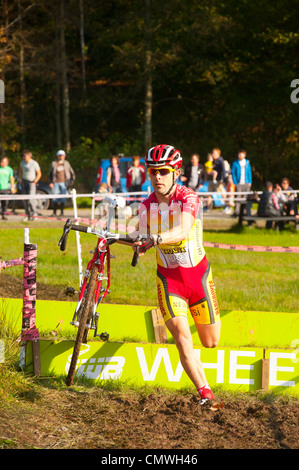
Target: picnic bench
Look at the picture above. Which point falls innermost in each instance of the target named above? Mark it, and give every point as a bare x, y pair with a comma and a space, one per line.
254, 218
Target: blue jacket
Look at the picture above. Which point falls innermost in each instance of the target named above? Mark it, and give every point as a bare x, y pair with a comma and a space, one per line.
236, 172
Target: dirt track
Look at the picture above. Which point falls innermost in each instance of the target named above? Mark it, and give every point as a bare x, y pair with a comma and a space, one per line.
83, 417
97, 419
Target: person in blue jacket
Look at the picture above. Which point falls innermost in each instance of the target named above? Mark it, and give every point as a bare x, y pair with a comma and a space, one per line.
242, 176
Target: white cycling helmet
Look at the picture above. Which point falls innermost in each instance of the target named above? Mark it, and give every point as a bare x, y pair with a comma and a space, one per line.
163, 155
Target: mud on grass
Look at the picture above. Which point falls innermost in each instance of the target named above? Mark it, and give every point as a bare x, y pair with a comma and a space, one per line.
95, 418
12, 287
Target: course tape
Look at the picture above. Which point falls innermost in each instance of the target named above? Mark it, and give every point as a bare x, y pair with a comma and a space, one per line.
268, 249
11, 263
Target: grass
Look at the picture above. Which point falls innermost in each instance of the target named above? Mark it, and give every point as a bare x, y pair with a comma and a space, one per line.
252, 280
12, 384
244, 280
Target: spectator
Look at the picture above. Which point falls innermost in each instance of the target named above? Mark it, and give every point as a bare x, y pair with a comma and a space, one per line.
29, 175
269, 205
101, 209
227, 171
103, 188
229, 198
219, 168
242, 177
209, 165
290, 203
113, 176
7, 183
194, 174
61, 176
136, 175
99, 177
209, 168
216, 175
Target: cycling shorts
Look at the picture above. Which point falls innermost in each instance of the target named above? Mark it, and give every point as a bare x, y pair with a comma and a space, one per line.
193, 288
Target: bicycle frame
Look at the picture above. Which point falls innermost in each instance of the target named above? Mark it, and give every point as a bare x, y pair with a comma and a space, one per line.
92, 292
101, 257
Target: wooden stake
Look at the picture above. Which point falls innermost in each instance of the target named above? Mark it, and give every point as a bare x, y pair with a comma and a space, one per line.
265, 374
159, 326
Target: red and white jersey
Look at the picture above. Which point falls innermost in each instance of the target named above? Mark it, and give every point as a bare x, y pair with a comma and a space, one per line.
155, 218
135, 175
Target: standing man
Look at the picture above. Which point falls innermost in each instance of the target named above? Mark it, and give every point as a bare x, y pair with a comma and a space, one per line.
194, 174
29, 175
218, 168
7, 183
171, 218
61, 176
216, 175
242, 176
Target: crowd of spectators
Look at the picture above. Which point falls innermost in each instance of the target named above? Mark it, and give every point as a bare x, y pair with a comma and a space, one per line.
61, 176
216, 175
234, 182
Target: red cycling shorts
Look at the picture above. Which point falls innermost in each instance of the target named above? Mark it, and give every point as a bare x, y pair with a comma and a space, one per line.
180, 289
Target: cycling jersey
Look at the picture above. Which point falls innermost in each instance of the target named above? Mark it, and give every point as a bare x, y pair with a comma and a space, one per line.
160, 217
184, 277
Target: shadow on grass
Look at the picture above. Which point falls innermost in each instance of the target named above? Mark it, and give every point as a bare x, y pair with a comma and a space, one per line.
245, 229
235, 229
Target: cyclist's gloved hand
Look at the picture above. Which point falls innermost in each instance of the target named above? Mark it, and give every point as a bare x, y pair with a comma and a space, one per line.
146, 244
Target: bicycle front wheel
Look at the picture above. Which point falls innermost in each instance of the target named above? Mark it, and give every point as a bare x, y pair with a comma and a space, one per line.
82, 324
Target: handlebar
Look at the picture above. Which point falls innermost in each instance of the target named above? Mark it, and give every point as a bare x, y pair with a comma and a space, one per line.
68, 226
136, 253
135, 257
103, 233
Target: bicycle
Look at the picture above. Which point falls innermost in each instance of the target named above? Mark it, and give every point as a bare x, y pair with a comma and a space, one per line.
93, 291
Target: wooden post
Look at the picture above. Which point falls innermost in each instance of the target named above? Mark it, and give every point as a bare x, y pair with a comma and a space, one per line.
159, 326
265, 374
29, 330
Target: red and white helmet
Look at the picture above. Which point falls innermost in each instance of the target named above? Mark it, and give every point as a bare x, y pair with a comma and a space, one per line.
163, 155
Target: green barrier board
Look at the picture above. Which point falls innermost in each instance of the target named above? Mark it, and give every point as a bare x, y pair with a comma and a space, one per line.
134, 323
137, 363
247, 338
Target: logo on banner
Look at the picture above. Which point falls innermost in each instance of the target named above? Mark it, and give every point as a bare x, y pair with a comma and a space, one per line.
235, 366
98, 368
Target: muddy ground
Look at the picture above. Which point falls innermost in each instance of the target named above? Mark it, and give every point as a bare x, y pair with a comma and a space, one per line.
12, 287
55, 417
92, 418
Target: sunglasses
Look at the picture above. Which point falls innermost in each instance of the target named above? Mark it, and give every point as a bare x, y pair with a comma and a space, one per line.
161, 171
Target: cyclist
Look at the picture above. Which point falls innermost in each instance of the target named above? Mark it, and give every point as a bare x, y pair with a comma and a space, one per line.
171, 217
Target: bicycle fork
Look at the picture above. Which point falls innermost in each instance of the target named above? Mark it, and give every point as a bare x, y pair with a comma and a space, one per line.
100, 293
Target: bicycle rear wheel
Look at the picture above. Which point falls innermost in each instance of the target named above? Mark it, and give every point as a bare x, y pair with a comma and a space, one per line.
82, 324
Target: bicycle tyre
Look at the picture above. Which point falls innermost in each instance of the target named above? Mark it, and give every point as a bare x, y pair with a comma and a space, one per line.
82, 324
